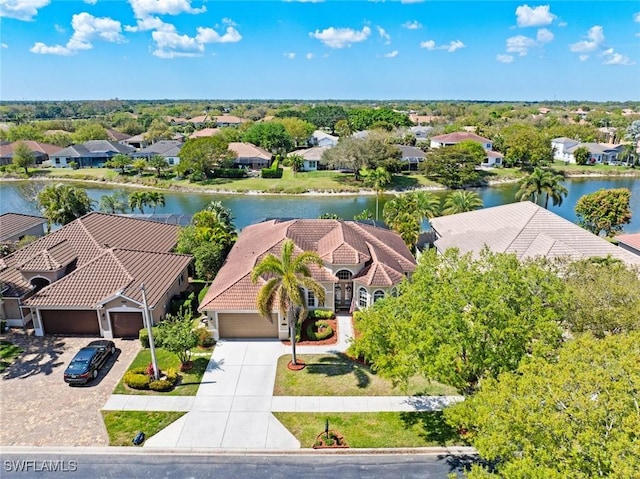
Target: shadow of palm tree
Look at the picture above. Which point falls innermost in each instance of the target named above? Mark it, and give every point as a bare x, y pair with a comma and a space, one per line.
41, 355
341, 365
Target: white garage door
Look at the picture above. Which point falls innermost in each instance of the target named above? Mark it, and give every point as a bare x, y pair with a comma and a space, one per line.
247, 325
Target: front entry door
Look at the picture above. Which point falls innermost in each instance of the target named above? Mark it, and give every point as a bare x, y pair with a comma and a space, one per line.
343, 295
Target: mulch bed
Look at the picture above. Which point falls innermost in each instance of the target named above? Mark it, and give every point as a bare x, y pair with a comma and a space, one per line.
305, 342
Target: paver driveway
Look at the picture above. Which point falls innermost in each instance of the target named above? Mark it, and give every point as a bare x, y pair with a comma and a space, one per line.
37, 408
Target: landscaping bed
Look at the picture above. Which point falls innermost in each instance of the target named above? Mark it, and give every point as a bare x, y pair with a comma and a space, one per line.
339, 375
8, 353
122, 426
305, 340
374, 429
188, 382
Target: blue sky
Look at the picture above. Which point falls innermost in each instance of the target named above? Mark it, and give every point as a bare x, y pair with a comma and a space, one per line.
408, 49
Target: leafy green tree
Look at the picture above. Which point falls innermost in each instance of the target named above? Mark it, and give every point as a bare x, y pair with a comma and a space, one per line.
297, 129
370, 118
582, 155
460, 320
62, 204
23, 157
59, 138
114, 203
604, 210
330, 216
540, 182
405, 212
284, 281
119, 161
270, 135
574, 417
525, 145
158, 163
363, 215
461, 201
178, 335
27, 131
359, 153
605, 294
158, 130
90, 131
376, 179
343, 128
454, 166
325, 116
202, 155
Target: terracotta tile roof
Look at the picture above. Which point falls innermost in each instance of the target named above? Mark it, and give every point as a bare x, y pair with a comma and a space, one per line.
35, 146
229, 119
249, 150
87, 238
632, 240
51, 259
337, 243
204, 132
12, 224
525, 229
459, 136
115, 270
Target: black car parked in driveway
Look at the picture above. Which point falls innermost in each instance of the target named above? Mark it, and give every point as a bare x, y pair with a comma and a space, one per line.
86, 363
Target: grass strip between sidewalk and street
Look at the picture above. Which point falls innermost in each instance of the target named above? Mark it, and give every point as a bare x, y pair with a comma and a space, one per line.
122, 426
374, 429
187, 386
339, 375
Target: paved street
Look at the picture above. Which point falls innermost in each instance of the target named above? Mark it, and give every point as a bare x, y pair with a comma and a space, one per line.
38, 408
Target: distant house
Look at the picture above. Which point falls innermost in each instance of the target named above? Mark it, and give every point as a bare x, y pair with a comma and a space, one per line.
115, 135
412, 156
311, 157
493, 158
228, 120
204, 132
424, 119
137, 142
629, 242
322, 138
560, 146
200, 120
524, 229
250, 156
42, 151
169, 149
15, 226
599, 153
421, 132
90, 154
174, 120
85, 277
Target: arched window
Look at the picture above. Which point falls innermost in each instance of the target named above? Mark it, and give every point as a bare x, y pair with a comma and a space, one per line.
344, 274
379, 294
362, 298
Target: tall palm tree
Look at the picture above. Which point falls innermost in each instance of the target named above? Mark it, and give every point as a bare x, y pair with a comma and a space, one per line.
63, 203
541, 182
377, 179
115, 203
286, 278
555, 191
154, 199
138, 200
405, 212
461, 201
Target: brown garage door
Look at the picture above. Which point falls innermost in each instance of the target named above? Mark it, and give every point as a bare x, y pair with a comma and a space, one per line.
237, 325
82, 322
126, 325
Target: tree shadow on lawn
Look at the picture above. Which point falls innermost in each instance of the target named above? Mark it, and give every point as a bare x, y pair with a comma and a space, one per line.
341, 365
432, 427
41, 355
198, 370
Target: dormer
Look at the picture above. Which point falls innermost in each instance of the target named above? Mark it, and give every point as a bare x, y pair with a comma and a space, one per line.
49, 264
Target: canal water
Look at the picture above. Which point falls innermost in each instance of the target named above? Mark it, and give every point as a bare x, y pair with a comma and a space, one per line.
252, 208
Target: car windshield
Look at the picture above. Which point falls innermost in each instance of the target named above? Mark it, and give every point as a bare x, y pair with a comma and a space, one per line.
84, 356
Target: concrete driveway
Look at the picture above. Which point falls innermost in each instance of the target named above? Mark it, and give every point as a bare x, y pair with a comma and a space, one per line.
37, 408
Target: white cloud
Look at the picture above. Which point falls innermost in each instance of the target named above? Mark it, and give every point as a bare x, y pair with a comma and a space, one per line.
309, 56
384, 35
544, 36
392, 54
414, 25
595, 38
21, 9
173, 54
91, 2
504, 58
450, 47
59, 28
86, 28
636, 17
583, 57
341, 37
228, 21
290, 55
520, 44
174, 41
209, 35
562, 24
148, 23
533, 17
613, 58
4, 45
145, 8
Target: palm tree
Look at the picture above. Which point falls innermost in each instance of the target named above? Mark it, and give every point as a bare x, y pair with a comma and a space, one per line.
377, 179
154, 199
138, 200
115, 203
296, 162
542, 181
63, 203
555, 190
405, 212
461, 201
288, 276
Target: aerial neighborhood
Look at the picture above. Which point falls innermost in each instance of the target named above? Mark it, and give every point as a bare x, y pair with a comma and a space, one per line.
425, 307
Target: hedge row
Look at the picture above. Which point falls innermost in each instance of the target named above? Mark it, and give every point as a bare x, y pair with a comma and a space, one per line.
314, 335
274, 171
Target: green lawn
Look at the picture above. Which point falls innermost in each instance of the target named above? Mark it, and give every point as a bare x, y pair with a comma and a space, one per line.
190, 382
374, 430
8, 353
122, 426
337, 375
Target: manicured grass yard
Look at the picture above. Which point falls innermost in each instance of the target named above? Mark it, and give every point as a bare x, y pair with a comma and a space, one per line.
188, 386
8, 353
381, 429
338, 375
122, 426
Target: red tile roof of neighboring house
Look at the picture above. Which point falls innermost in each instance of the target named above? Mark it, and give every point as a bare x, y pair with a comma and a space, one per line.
632, 240
12, 224
35, 146
460, 136
204, 132
338, 243
249, 150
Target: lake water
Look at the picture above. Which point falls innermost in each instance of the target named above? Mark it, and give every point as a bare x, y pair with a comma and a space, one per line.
248, 209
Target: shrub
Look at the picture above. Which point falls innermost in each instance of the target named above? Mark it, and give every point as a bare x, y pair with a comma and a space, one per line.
161, 385
205, 340
144, 337
322, 314
137, 380
318, 330
274, 171
229, 173
172, 375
